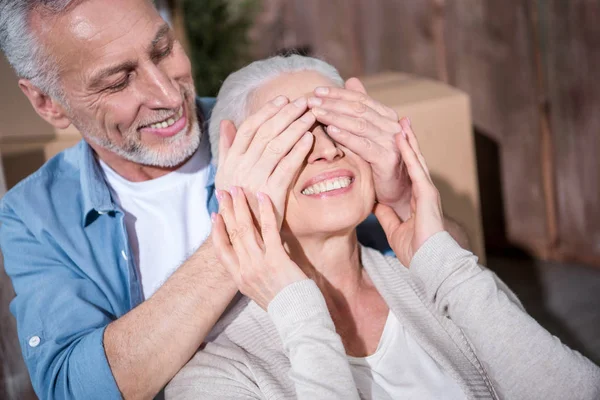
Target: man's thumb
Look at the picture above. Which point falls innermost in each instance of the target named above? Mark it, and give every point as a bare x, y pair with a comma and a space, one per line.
227, 133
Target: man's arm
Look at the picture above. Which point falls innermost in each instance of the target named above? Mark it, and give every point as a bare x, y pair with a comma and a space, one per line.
68, 331
148, 345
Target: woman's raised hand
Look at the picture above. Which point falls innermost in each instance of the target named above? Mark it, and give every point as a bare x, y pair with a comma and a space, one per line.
426, 218
256, 260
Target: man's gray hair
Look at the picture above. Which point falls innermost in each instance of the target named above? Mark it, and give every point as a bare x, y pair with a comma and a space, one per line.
23, 49
235, 95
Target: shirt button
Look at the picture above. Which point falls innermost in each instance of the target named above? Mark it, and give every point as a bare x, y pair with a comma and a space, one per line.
34, 341
124, 255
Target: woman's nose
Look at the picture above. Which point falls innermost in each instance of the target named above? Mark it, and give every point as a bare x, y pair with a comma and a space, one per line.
324, 148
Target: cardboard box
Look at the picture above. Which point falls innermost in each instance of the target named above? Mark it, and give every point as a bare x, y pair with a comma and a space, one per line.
441, 118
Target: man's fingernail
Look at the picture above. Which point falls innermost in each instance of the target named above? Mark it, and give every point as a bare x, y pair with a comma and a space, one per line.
308, 117
300, 102
319, 111
261, 197
280, 100
307, 137
333, 129
404, 135
234, 190
315, 101
322, 90
213, 217
408, 120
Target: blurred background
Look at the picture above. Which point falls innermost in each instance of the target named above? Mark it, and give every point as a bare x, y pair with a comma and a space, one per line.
505, 94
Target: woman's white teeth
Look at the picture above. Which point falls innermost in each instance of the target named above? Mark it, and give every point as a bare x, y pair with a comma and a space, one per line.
166, 123
328, 185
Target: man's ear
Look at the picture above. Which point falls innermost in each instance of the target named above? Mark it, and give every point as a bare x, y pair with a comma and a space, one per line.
356, 85
46, 107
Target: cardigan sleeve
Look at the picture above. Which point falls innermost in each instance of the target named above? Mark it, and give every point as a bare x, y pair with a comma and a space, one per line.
523, 360
319, 366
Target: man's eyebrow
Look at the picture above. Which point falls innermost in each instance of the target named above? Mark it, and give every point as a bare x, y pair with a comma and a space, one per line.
106, 72
162, 32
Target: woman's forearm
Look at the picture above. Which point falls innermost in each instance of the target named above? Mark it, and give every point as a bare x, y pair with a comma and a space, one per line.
523, 359
319, 366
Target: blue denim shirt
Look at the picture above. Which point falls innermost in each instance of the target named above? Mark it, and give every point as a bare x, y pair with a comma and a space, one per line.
67, 252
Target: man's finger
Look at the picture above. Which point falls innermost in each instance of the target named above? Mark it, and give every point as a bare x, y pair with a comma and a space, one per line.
275, 126
279, 147
355, 95
356, 125
356, 109
250, 126
289, 166
366, 148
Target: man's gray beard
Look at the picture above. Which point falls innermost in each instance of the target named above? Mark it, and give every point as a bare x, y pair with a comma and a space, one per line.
167, 156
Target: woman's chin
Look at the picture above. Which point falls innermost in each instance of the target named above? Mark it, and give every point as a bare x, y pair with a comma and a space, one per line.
326, 226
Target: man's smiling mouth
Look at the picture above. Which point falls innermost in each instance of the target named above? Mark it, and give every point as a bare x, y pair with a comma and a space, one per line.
167, 122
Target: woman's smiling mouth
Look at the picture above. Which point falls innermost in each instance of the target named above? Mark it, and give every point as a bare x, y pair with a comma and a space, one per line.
329, 183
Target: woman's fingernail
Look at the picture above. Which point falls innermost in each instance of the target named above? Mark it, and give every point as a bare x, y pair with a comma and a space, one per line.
261, 197
234, 190
322, 91
213, 217
333, 129
280, 100
219, 195
315, 101
404, 135
408, 120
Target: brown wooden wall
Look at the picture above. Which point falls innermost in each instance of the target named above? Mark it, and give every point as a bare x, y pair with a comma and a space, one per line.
529, 68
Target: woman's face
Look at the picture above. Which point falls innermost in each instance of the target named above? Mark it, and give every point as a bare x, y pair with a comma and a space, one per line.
334, 190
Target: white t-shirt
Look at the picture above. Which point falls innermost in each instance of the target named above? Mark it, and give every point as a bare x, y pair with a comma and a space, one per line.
401, 369
166, 218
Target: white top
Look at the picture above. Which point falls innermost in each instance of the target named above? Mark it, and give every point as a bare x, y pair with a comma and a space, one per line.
401, 369
166, 218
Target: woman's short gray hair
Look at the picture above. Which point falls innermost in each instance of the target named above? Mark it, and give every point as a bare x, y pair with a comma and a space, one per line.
234, 96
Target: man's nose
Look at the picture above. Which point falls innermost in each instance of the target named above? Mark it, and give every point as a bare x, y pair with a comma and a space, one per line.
324, 148
161, 91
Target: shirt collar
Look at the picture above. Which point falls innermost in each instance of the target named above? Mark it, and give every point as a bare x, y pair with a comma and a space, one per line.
96, 194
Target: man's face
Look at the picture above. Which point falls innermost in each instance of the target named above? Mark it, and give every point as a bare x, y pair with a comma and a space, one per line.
127, 81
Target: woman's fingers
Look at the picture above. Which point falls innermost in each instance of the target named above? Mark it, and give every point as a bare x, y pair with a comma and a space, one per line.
245, 233
417, 173
268, 223
412, 140
389, 220
223, 248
